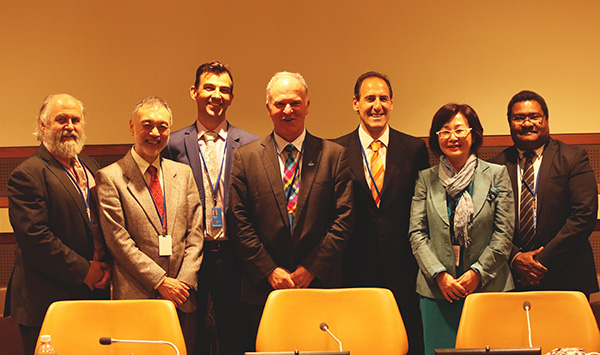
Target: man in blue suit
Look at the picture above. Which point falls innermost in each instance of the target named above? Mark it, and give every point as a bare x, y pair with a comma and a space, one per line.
207, 147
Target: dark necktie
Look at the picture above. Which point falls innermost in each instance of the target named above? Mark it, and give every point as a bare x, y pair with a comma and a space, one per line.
156, 191
526, 224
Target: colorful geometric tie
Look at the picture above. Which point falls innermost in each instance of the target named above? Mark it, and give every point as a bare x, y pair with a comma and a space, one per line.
291, 180
376, 171
526, 225
156, 191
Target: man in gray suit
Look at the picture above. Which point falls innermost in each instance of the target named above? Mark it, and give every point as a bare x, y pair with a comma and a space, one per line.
207, 145
290, 204
152, 218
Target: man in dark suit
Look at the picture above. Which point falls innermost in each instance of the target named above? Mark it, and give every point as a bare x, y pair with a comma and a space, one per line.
52, 208
557, 202
152, 218
290, 204
193, 145
378, 252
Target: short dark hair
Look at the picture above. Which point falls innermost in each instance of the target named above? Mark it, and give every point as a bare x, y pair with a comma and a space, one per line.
214, 67
527, 95
371, 74
444, 115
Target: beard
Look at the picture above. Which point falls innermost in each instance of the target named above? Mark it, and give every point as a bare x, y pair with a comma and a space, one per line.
67, 149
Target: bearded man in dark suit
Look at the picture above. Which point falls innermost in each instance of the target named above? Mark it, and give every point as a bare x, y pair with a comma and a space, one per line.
53, 211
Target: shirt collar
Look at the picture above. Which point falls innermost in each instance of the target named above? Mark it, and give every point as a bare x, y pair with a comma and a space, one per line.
366, 139
221, 129
538, 152
142, 163
281, 143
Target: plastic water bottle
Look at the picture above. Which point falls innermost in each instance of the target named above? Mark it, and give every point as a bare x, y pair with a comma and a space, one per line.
45, 347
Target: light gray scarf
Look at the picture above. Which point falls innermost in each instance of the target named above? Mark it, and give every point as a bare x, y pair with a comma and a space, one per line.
457, 185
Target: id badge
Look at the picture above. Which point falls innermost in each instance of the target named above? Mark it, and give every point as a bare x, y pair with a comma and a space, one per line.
217, 218
165, 247
456, 249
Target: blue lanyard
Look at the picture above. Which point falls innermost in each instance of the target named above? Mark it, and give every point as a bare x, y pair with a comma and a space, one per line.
216, 185
369, 170
163, 217
532, 191
85, 198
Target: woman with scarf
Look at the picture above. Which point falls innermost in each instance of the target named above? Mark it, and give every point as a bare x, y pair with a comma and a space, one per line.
461, 225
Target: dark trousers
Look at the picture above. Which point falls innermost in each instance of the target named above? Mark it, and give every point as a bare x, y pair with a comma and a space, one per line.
251, 315
219, 275
29, 336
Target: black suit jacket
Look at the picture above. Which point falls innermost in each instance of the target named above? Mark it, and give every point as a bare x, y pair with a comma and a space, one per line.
567, 213
259, 225
378, 252
54, 237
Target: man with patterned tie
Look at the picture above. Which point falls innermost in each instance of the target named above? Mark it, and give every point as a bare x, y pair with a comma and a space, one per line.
557, 202
384, 164
207, 146
152, 218
290, 204
53, 210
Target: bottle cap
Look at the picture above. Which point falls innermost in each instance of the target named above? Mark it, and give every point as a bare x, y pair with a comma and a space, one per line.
45, 338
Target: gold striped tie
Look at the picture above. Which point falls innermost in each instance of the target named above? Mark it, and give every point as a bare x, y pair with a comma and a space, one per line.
377, 171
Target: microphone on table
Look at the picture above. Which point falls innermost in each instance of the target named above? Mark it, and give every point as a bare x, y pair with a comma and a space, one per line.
324, 327
527, 307
109, 340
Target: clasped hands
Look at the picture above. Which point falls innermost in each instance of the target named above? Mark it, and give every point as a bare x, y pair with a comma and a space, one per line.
530, 271
98, 275
281, 278
174, 290
454, 289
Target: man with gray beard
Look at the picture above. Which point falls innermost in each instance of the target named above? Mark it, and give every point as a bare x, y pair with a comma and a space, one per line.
52, 208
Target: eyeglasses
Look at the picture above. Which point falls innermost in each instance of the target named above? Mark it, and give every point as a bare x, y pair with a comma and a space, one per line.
535, 118
459, 133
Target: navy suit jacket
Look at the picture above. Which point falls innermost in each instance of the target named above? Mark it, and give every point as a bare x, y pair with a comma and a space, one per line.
183, 147
567, 213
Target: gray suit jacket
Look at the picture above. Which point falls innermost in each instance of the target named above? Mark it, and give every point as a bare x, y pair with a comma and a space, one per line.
258, 221
131, 228
491, 230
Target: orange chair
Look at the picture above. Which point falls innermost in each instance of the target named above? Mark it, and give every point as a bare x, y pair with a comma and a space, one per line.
76, 327
558, 319
365, 320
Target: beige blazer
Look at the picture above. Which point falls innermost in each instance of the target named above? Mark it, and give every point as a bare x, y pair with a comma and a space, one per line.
131, 227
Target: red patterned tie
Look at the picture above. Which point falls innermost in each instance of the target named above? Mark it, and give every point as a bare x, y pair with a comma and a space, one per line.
156, 191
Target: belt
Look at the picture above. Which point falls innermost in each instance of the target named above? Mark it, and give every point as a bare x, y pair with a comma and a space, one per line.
215, 245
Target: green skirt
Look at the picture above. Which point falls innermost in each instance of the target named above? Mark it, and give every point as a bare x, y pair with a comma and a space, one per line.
440, 323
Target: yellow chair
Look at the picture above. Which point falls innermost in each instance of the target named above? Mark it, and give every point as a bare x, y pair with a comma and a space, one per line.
558, 319
365, 320
76, 327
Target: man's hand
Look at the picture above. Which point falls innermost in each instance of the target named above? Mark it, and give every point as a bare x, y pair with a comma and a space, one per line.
280, 279
451, 289
302, 277
174, 290
530, 270
94, 274
469, 280
106, 276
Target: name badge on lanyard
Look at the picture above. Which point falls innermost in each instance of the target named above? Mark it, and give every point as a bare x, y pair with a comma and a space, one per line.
165, 245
